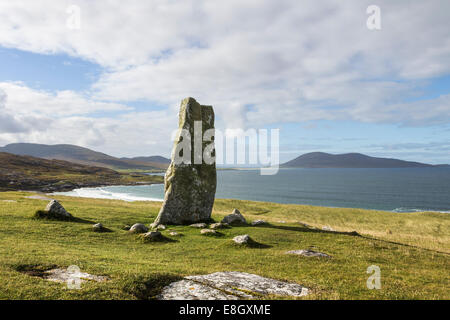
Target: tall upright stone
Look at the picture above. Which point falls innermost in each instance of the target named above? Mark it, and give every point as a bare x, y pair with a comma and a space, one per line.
190, 186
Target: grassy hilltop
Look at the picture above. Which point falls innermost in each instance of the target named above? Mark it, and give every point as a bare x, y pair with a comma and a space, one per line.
411, 249
30, 173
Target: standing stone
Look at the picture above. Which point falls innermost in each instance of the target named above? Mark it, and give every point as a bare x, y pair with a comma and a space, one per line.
190, 186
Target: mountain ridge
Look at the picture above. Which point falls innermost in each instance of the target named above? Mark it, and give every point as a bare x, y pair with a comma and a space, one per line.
350, 160
81, 155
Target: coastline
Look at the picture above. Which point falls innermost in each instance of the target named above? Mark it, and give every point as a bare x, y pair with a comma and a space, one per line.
97, 193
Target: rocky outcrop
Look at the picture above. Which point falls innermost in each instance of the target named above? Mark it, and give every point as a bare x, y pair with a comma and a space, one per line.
229, 286
56, 210
234, 218
190, 186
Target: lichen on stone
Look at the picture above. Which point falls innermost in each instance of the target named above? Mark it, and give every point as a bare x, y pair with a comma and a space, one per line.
189, 188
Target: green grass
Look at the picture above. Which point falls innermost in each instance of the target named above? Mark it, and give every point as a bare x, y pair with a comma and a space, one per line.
411, 249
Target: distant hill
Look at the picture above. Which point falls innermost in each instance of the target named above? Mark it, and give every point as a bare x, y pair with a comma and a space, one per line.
348, 160
81, 155
157, 159
30, 173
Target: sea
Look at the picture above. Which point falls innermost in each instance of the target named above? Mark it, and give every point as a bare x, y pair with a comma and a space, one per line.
396, 189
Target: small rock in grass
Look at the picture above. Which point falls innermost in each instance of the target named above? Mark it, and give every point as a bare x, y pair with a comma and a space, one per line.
243, 239
199, 225
218, 225
309, 253
234, 217
152, 236
175, 234
138, 228
327, 228
208, 232
258, 222
160, 227
98, 227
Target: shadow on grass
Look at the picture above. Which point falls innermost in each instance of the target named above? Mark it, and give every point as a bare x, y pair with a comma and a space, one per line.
33, 270
103, 230
352, 233
149, 287
252, 244
44, 215
306, 229
160, 239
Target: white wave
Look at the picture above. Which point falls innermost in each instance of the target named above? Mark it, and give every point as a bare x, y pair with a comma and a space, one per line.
407, 210
100, 193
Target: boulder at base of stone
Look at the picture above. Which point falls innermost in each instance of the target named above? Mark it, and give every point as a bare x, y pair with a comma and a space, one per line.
152, 236
219, 225
190, 181
208, 232
199, 225
138, 228
229, 286
234, 218
309, 253
243, 239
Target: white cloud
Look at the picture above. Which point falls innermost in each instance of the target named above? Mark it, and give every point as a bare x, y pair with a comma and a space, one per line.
257, 62
25, 100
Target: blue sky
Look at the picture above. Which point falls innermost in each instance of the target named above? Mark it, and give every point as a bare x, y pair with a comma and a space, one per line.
333, 87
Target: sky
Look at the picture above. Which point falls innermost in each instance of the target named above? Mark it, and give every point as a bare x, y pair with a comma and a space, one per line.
110, 76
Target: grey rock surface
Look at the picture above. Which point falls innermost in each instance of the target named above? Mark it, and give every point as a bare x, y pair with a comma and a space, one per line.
97, 227
190, 290
199, 225
309, 253
190, 188
219, 225
152, 236
234, 218
64, 275
208, 232
258, 223
229, 286
138, 228
54, 208
243, 239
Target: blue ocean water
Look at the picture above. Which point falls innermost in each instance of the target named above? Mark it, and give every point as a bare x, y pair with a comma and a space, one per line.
399, 189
